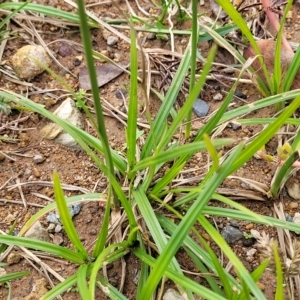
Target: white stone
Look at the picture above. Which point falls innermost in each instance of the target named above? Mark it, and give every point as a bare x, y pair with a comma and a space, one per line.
112, 40
171, 294
69, 112
218, 97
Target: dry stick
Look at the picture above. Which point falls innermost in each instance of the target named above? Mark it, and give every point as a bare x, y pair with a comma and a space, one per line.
3, 127
141, 9
21, 192
20, 203
67, 187
10, 158
4, 40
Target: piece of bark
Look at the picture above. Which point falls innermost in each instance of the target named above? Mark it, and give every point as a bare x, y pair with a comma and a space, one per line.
267, 49
105, 74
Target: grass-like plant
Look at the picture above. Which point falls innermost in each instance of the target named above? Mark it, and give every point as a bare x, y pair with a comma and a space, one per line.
145, 193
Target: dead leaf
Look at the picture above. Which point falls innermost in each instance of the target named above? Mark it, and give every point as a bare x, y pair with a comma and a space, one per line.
105, 74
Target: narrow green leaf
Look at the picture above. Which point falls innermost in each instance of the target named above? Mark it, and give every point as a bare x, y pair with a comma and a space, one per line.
212, 151
13, 276
102, 237
131, 129
109, 290
82, 282
42, 246
187, 149
66, 218
239, 215
292, 71
194, 49
283, 173
101, 130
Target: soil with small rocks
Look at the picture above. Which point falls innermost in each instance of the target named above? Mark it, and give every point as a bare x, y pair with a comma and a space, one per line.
30, 160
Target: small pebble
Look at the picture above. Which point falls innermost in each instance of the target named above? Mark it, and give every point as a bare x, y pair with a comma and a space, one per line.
200, 108
249, 226
249, 242
2, 157
296, 218
151, 36
293, 205
121, 93
38, 159
57, 239
13, 258
218, 97
251, 252
234, 224
9, 218
206, 236
231, 234
112, 40
53, 218
64, 49
58, 228
172, 294
240, 94
36, 173
51, 227
288, 218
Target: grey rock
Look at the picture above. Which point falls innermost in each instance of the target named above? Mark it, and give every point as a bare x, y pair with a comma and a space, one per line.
53, 218
28, 61
200, 108
235, 125
38, 159
288, 218
38, 232
112, 40
240, 94
171, 294
74, 209
234, 224
68, 112
231, 234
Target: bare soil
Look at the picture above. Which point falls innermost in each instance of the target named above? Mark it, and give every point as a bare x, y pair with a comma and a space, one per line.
76, 168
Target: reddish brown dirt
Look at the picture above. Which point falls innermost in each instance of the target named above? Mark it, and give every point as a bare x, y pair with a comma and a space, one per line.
76, 168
